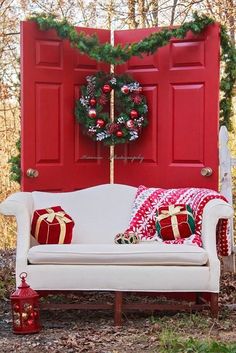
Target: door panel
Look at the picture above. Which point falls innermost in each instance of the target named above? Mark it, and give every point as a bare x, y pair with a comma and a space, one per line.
52, 142
181, 83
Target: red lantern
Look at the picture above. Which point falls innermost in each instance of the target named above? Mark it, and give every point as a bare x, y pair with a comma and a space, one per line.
133, 114
106, 88
25, 308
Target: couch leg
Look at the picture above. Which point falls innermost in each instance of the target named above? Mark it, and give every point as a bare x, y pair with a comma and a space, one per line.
118, 308
198, 298
214, 305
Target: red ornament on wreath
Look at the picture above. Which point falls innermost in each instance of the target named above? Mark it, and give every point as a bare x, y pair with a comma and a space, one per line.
92, 113
119, 134
100, 123
130, 124
125, 89
133, 114
106, 88
92, 102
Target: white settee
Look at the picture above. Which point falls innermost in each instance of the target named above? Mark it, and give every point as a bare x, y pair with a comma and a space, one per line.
94, 262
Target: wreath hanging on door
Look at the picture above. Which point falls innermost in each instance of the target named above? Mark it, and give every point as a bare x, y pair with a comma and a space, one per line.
92, 108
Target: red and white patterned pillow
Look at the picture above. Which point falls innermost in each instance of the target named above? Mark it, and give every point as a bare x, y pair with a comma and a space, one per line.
143, 216
148, 200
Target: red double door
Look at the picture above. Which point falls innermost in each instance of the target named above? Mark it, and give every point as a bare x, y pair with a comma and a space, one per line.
181, 83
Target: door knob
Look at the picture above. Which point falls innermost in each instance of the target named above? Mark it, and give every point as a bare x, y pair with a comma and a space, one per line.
32, 173
207, 171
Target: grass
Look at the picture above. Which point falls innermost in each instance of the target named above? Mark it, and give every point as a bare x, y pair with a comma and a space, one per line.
170, 342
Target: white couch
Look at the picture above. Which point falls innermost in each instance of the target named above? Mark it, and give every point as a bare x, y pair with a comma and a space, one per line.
94, 262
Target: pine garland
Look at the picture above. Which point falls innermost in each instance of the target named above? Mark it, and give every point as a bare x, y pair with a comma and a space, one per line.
91, 46
15, 170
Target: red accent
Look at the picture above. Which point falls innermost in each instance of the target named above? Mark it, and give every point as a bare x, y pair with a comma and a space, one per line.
106, 88
25, 309
125, 89
92, 101
119, 133
133, 114
100, 123
52, 142
181, 83
50, 232
166, 231
92, 113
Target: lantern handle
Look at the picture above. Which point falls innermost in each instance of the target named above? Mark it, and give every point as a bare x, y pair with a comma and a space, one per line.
23, 275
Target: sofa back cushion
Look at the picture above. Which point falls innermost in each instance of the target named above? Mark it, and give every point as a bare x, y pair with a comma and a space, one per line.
99, 212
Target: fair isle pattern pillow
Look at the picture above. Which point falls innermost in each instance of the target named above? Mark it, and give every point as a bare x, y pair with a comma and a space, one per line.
143, 216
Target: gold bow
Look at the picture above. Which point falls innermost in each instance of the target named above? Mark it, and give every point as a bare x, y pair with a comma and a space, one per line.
60, 217
172, 212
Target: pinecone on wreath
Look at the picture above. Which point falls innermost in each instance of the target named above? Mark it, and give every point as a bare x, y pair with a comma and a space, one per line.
137, 99
103, 99
112, 128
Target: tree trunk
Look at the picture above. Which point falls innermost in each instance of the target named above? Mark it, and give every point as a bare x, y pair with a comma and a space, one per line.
141, 10
173, 12
131, 14
154, 8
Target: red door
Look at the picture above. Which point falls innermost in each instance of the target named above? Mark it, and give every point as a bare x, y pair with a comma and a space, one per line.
181, 82
52, 143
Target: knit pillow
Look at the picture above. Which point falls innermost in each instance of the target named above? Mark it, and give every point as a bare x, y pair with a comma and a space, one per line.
143, 216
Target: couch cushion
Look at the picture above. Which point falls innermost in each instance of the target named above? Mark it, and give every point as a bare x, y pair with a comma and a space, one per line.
116, 254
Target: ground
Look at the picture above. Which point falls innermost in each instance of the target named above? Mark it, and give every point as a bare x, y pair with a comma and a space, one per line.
93, 331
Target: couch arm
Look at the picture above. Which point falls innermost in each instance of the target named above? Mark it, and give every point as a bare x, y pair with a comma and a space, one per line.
20, 205
213, 211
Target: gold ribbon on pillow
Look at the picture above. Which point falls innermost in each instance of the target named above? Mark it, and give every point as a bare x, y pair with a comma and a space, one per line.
60, 217
172, 212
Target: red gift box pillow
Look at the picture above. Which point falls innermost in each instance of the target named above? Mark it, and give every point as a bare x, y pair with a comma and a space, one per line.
52, 226
174, 222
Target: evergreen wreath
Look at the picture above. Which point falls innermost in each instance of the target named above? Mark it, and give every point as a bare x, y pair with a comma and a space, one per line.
130, 108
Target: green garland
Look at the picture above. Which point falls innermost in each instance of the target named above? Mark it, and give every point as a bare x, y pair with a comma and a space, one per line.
130, 108
15, 170
91, 46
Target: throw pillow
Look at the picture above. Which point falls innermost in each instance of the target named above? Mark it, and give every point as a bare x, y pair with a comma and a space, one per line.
143, 216
174, 222
52, 226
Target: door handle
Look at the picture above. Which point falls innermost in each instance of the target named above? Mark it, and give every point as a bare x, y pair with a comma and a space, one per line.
206, 172
32, 173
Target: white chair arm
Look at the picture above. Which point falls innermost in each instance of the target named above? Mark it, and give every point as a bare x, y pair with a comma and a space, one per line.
213, 211
20, 205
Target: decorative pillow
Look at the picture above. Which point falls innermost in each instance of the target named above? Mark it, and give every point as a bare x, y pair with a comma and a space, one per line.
143, 216
175, 221
127, 238
52, 226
